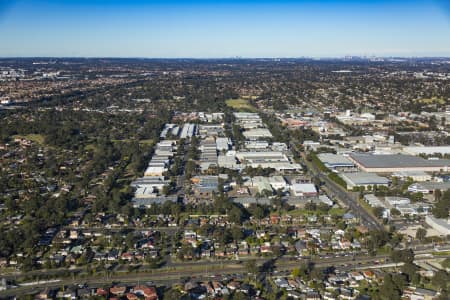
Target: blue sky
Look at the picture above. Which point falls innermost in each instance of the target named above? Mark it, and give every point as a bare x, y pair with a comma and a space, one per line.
220, 28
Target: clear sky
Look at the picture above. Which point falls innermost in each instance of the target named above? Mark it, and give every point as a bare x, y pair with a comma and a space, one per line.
265, 28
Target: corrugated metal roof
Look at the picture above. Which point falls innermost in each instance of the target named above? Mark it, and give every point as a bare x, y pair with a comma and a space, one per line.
396, 161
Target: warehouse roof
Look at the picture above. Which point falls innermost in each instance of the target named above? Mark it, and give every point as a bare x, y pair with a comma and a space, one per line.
251, 200
395, 161
363, 178
335, 160
426, 149
147, 202
432, 186
306, 188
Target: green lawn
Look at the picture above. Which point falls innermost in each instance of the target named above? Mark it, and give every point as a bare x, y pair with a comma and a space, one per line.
304, 212
432, 100
146, 142
37, 138
299, 212
337, 211
240, 105
90, 147
443, 253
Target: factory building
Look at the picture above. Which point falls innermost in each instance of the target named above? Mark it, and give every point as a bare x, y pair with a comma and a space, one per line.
442, 226
428, 187
391, 163
427, 150
414, 175
363, 179
336, 161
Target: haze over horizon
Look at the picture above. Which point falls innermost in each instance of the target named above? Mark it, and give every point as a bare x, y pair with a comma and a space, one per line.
219, 29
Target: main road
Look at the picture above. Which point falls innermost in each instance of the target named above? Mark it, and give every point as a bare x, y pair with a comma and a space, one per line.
349, 199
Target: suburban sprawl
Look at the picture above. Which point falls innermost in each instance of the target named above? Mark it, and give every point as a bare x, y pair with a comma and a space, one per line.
225, 179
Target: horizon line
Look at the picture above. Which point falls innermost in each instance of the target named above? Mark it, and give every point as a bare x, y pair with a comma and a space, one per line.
235, 57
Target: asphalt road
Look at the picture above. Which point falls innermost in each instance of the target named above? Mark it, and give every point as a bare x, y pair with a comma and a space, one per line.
348, 198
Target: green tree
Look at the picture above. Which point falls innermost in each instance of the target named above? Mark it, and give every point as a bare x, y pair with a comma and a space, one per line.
406, 256
235, 215
441, 279
172, 294
237, 233
395, 212
411, 270
251, 267
389, 290
441, 208
437, 195
296, 272
421, 233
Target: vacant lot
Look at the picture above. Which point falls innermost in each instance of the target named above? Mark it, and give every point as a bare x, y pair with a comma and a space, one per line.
240, 104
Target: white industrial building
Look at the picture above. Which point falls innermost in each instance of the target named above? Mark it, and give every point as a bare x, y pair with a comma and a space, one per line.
223, 144
172, 129
414, 209
261, 156
261, 184
395, 201
210, 130
155, 171
442, 226
336, 161
253, 145
427, 150
363, 179
154, 182
257, 133
248, 120
145, 192
278, 182
227, 161
374, 201
428, 187
304, 189
267, 159
147, 202
277, 146
325, 200
208, 156
414, 175
391, 163
188, 131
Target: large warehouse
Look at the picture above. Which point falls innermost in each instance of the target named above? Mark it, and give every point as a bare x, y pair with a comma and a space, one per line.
428, 150
362, 179
336, 161
390, 163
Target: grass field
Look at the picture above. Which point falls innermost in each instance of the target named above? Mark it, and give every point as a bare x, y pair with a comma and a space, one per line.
142, 142
303, 212
337, 211
433, 100
240, 105
442, 253
146, 142
37, 138
90, 147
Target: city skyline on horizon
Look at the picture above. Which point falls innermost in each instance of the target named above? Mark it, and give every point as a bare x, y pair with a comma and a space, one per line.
224, 29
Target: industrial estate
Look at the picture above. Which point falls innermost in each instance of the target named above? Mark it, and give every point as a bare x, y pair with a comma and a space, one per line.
225, 179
